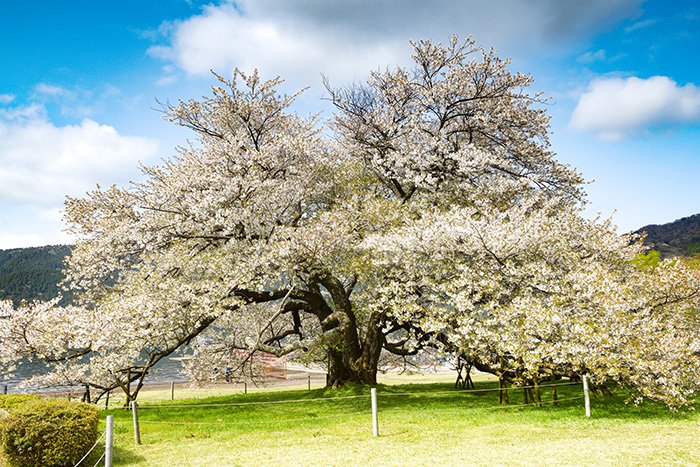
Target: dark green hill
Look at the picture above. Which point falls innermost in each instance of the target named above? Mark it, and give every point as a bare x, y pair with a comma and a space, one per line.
677, 238
31, 273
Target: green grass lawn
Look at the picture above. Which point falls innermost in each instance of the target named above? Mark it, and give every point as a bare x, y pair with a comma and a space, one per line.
419, 424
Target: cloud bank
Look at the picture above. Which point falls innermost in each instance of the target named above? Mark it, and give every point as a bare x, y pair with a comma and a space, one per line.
616, 108
42, 163
344, 40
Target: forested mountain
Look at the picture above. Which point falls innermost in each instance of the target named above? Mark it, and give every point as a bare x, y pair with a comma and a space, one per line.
677, 238
31, 273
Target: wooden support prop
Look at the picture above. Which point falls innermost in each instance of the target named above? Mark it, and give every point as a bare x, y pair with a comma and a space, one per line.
109, 440
245, 388
309, 381
107, 400
172, 390
586, 396
135, 413
375, 420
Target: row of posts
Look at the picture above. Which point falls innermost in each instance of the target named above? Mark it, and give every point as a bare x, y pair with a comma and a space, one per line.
375, 417
109, 440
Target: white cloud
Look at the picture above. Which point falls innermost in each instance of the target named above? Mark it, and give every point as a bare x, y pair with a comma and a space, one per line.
221, 39
41, 162
51, 90
615, 108
6, 98
640, 25
16, 114
344, 40
591, 57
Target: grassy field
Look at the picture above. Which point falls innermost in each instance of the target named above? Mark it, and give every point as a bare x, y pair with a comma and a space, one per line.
421, 423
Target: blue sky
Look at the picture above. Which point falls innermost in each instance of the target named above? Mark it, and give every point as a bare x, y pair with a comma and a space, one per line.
80, 81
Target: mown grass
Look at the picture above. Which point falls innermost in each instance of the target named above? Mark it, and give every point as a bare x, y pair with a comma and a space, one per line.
419, 424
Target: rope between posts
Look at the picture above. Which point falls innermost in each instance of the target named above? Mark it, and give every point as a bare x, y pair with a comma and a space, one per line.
255, 422
296, 401
92, 448
100, 459
475, 390
347, 414
509, 406
291, 401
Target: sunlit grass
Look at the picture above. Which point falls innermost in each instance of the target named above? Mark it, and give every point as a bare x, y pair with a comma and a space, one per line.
420, 424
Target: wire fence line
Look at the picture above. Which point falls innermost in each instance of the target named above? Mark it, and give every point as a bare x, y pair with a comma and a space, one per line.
231, 404
497, 407
478, 390
100, 459
359, 396
104, 433
251, 422
392, 409
348, 414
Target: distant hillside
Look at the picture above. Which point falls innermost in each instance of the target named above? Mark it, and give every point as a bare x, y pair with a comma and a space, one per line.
677, 238
31, 273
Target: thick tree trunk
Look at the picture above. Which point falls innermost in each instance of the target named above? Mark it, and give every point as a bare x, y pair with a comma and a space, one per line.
371, 350
350, 359
359, 366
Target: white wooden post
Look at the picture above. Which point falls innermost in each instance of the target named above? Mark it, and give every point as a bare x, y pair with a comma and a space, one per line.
109, 440
375, 421
586, 397
135, 413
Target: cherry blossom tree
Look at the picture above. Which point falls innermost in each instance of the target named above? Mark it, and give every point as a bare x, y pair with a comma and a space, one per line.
436, 216
265, 210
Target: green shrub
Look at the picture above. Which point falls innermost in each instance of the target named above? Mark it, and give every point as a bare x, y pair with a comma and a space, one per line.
48, 432
10, 401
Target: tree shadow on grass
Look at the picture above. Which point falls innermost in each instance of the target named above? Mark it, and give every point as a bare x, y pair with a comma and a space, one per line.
485, 396
127, 456
619, 407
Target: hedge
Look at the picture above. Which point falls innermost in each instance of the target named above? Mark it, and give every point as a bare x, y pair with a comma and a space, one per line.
46, 432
